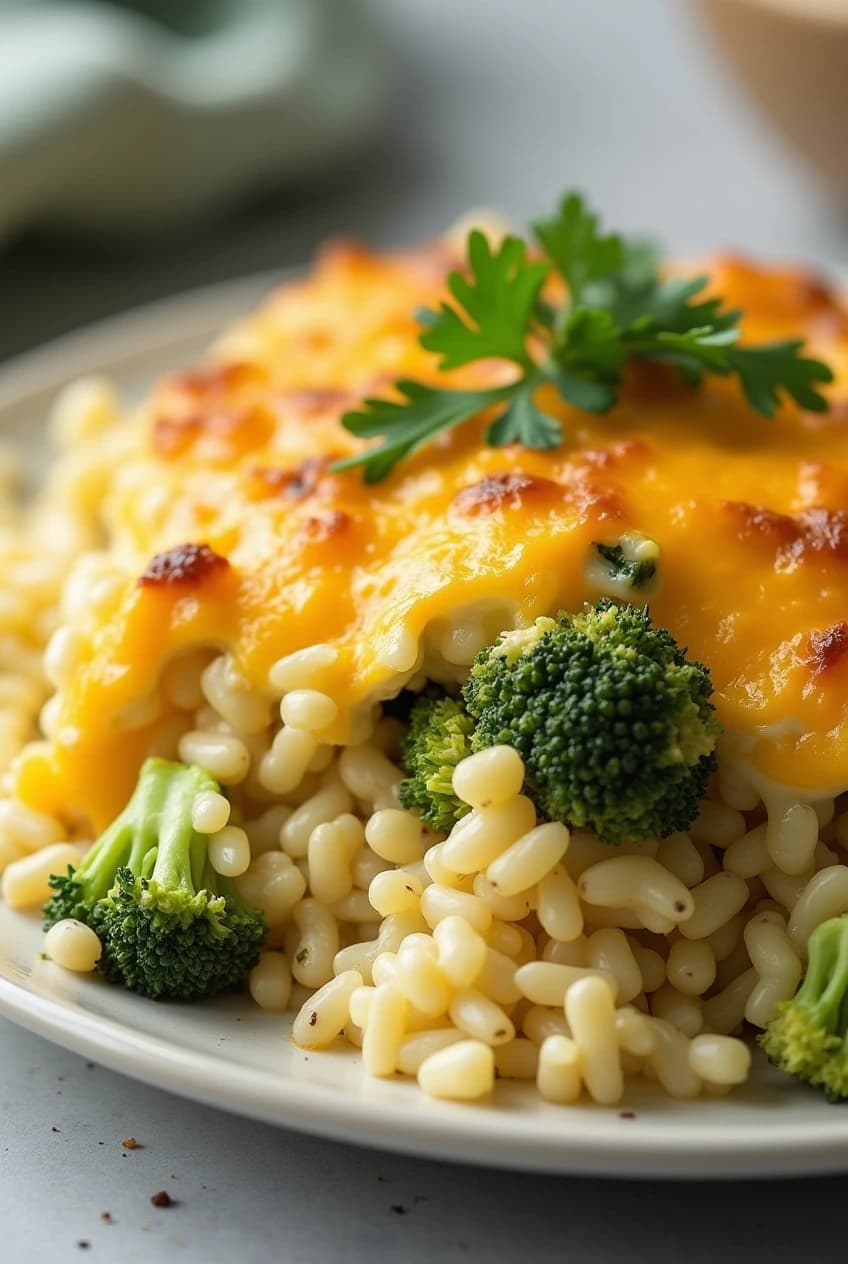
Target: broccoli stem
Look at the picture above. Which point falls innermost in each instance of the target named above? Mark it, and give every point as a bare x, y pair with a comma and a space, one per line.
181, 852
132, 836
824, 991
152, 836
808, 1037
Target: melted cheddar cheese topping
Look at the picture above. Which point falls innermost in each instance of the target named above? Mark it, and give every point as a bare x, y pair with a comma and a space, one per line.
750, 515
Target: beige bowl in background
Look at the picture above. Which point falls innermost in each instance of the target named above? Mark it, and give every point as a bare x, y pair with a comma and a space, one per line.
792, 55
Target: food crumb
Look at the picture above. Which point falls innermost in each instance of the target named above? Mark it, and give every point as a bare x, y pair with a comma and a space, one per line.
627, 1114
399, 1209
53, 1128
162, 1199
106, 1217
130, 1143
83, 1244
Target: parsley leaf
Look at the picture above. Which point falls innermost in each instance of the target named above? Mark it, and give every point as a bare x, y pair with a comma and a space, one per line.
666, 304
693, 353
493, 306
573, 243
588, 360
523, 422
767, 370
618, 309
423, 413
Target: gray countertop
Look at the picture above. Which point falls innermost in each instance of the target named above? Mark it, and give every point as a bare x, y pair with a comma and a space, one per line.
500, 104
254, 1194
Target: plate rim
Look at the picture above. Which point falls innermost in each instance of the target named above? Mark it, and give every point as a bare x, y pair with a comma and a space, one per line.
135, 332
116, 342
312, 1109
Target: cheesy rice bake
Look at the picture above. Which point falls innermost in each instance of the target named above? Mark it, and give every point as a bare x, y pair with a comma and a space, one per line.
200, 596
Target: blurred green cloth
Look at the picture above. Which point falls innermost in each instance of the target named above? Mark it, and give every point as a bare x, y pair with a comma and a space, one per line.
120, 117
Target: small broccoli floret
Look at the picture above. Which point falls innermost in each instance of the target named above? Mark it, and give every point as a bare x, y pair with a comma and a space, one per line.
613, 723
169, 925
439, 737
631, 562
809, 1036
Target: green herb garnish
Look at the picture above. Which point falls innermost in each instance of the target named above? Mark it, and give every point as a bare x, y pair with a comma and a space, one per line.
618, 309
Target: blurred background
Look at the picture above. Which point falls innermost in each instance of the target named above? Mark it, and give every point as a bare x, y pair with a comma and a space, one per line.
148, 146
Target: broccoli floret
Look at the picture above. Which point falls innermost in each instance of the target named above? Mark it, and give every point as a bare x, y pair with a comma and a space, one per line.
170, 926
614, 725
809, 1036
439, 736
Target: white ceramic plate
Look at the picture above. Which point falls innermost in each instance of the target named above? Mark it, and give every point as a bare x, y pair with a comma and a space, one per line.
230, 1054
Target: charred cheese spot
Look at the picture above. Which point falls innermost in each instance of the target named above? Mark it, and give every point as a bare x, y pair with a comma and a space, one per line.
321, 527
828, 649
216, 436
591, 500
185, 564
213, 380
315, 399
824, 531
501, 491
779, 530
795, 539
296, 483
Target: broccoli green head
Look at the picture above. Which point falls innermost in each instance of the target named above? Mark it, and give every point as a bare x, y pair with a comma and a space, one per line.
163, 941
809, 1036
170, 926
614, 724
439, 736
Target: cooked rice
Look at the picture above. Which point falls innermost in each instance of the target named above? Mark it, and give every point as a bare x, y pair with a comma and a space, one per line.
504, 949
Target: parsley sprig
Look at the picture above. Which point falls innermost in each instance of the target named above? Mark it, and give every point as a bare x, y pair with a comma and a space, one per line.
618, 309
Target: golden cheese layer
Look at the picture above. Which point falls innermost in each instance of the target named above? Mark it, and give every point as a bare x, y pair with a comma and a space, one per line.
751, 517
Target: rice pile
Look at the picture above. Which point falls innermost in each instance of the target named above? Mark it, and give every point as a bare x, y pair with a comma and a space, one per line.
504, 949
